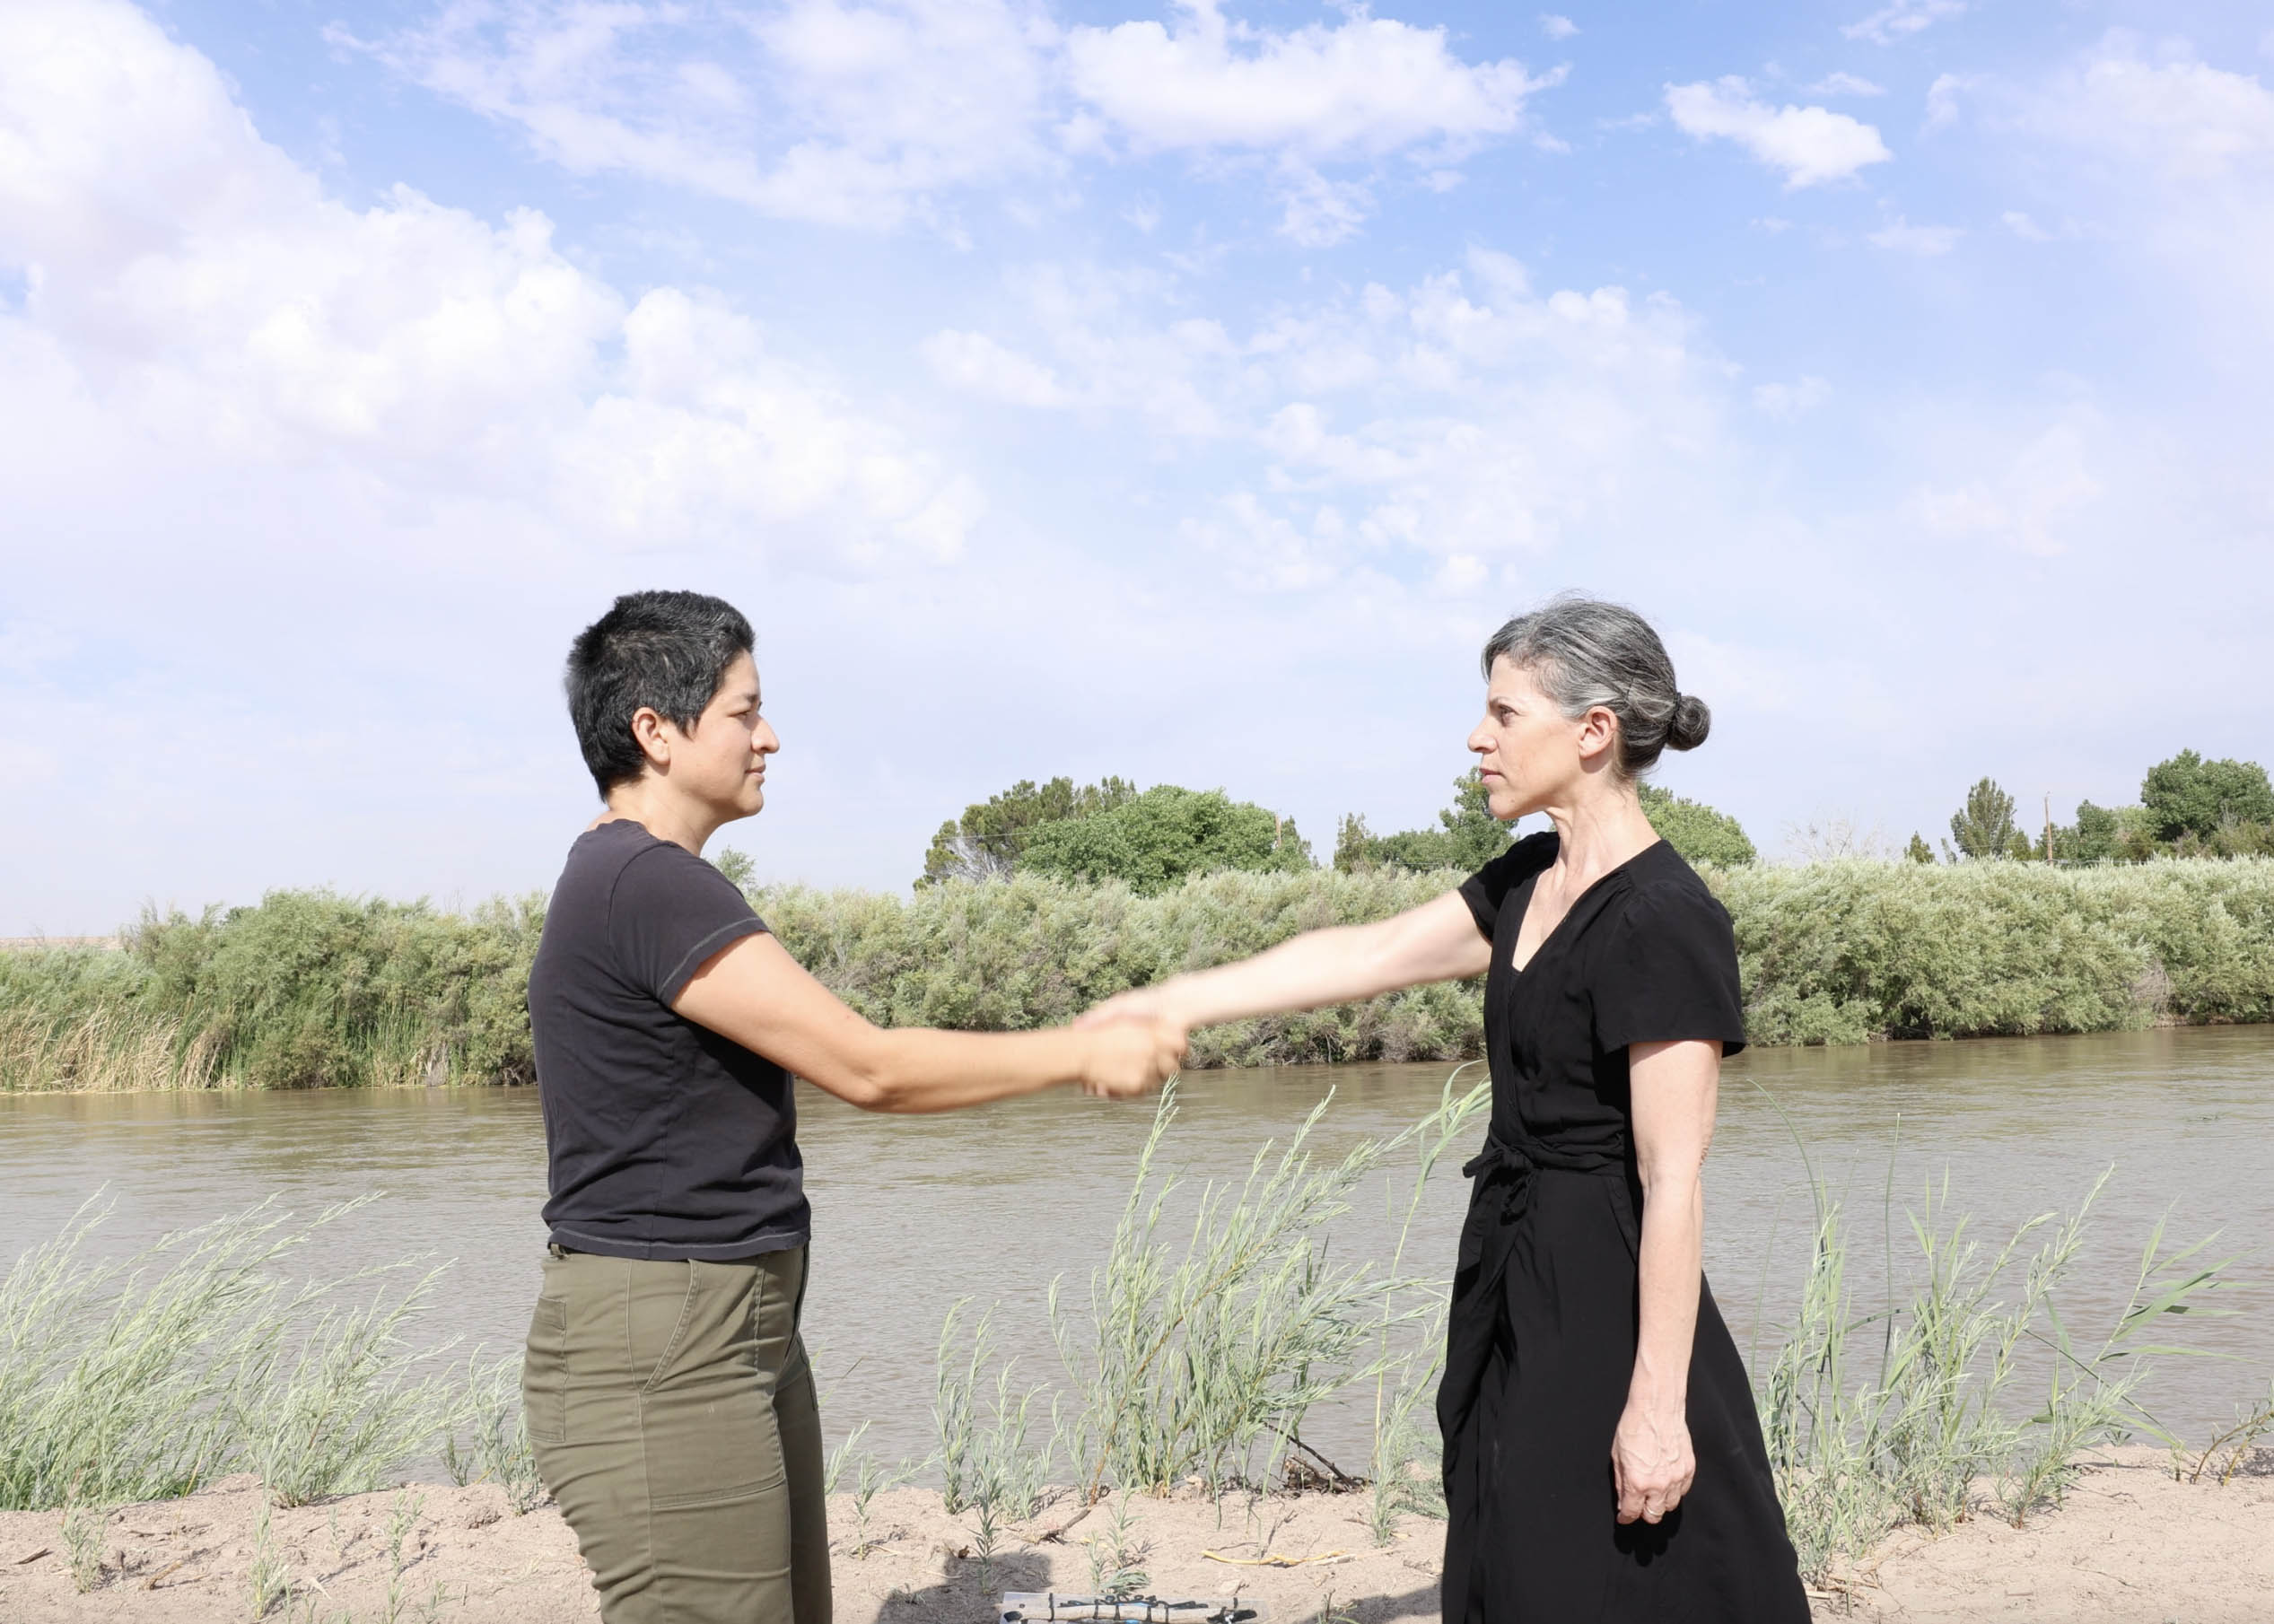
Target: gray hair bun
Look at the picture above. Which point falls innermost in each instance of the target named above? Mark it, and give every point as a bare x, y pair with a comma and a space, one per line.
1687, 728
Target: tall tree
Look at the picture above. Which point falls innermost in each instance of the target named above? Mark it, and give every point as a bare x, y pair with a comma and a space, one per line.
987, 841
1164, 837
2188, 795
1699, 833
1467, 838
1984, 827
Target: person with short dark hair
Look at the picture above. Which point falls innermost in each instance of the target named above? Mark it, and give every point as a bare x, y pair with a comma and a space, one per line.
1603, 1457
670, 1403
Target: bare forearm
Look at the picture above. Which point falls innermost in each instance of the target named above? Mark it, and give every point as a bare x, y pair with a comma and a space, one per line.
920, 1069
1672, 1266
1340, 964
1319, 967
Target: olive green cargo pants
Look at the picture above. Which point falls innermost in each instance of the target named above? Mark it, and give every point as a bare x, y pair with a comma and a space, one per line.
673, 1417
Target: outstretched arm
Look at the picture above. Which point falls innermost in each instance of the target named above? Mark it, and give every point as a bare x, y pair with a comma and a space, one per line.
755, 993
1436, 942
1674, 1087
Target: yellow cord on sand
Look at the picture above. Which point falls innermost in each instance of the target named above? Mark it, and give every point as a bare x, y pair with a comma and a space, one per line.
1270, 1560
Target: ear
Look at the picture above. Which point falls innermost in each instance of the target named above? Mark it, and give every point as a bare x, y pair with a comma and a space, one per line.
1598, 733
654, 734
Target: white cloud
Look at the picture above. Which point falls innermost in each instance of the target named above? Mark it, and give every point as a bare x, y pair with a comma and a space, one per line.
868, 114
1810, 144
2170, 158
2185, 119
1845, 85
819, 109
1942, 98
1366, 87
1926, 241
978, 365
1902, 19
1443, 434
2030, 506
1319, 212
2021, 226
1791, 400
1557, 28
190, 286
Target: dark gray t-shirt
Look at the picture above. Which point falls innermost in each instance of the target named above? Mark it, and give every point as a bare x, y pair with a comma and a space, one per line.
663, 1139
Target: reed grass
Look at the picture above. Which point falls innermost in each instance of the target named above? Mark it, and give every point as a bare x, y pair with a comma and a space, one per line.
496, 1444
144, 1377
1901, 1416
1205, 1363
991, 1468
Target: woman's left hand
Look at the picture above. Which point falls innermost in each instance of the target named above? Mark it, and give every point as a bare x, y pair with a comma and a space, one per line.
1652, 1463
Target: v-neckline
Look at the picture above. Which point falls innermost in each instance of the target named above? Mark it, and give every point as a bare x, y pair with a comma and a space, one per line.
1532, 891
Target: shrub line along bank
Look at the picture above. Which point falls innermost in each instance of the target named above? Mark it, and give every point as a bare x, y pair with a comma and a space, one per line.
308, 989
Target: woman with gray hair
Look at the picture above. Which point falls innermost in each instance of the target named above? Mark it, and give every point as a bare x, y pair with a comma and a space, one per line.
1602, 1458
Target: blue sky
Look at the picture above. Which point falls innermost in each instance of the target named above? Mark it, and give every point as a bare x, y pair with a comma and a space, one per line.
1175, 392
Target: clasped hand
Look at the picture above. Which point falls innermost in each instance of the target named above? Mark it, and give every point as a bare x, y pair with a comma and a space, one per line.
1136, 1048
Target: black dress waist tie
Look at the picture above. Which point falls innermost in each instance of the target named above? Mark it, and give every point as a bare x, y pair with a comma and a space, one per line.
1505, 1172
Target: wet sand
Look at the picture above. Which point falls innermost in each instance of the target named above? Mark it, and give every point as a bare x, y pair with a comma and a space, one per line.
2132, 1546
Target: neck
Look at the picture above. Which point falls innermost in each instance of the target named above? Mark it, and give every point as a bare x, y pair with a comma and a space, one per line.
650, 804
1598, 828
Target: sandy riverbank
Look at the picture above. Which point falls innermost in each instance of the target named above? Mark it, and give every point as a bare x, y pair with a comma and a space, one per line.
2132, 1547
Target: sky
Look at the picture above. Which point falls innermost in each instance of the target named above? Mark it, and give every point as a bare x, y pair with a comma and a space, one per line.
1179, 392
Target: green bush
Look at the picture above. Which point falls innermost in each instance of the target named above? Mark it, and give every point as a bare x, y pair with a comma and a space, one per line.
1166, 836
1701, 835
311, 988
1848, 951
308, 989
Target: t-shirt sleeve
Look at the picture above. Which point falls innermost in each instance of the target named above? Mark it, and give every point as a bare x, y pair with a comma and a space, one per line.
1670, 972
1486, 889
671, 912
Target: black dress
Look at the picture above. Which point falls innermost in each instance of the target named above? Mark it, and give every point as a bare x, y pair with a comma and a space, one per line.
1544, 1323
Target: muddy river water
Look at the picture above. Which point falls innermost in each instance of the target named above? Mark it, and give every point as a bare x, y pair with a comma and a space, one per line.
912, 1214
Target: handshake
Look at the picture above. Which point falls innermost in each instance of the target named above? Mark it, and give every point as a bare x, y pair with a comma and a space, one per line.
1134, 1042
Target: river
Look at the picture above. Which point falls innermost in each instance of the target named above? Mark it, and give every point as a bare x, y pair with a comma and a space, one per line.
912, 1213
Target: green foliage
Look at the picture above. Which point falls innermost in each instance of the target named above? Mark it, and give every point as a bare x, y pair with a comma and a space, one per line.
1849, 951
145, 1378
306, 990
986, 842
1194, 1363
1984, 827
2187, 795
1468, 837
736, 866
1698, 831
1833, 952
1153, 841
1877, 1421
1918, 851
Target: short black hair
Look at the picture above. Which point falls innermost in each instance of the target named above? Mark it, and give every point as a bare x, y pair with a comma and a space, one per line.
664, 651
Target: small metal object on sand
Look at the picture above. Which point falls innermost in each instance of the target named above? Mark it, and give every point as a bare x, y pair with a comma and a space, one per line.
1045, 1607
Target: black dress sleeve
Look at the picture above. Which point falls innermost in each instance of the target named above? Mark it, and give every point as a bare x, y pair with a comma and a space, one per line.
670, 912
1486, 889
1668, 970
